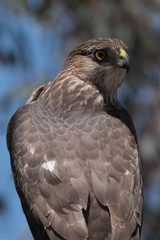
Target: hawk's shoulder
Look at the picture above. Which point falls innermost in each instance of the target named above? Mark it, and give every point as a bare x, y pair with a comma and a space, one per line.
123, 115
17, 125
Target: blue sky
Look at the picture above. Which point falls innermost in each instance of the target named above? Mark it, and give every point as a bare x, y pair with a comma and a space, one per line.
23, 37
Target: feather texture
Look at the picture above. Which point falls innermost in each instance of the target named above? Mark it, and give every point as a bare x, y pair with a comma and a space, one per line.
74, 153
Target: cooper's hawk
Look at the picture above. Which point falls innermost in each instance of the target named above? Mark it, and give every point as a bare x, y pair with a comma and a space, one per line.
74, 151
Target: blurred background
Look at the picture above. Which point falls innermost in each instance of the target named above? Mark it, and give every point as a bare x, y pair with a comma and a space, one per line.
36, 36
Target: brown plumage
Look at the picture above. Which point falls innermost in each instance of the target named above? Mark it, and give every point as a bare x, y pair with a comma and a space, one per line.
74, 151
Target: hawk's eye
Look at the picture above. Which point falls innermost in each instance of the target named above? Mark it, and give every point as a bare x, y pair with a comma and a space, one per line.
100, 55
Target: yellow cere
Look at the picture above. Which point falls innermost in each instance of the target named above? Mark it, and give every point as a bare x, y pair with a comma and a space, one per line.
123, 53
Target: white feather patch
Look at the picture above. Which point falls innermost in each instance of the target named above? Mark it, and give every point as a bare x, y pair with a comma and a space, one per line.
126, 172
50, 165
32, 150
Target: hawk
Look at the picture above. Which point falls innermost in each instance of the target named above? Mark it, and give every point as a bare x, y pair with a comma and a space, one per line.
74, 151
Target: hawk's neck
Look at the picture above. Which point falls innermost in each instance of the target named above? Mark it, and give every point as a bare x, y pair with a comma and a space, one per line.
69, 93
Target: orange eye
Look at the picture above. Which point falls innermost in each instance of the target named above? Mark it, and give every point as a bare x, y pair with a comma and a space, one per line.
100, 55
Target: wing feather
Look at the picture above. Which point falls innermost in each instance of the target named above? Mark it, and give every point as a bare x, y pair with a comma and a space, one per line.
57, 166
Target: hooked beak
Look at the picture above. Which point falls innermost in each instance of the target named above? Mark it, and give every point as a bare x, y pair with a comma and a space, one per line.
123, 60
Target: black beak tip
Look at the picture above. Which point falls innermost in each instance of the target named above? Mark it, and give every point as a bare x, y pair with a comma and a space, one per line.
126, 66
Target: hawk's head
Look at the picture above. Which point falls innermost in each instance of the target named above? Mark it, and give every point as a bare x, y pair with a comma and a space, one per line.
101, 61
